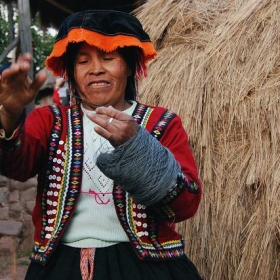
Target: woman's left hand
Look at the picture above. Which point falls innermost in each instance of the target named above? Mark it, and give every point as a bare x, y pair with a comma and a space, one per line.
116, 126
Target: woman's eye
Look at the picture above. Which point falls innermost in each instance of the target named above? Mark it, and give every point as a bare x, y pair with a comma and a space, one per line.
108, 58
83, 61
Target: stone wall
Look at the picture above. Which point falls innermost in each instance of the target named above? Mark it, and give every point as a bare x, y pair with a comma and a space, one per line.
17, 200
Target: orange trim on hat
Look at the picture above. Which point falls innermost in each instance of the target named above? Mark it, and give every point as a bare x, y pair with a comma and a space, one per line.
107, 43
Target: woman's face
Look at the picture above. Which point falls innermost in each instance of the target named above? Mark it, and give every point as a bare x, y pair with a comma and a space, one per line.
101, 78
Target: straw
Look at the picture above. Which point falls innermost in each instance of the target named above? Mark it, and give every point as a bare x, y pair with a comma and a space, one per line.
218, 67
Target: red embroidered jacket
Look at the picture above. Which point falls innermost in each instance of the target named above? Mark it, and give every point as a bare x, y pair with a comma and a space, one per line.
50, 143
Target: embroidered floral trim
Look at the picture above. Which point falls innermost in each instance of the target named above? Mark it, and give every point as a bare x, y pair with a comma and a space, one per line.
60, 193
144, 225
140, 228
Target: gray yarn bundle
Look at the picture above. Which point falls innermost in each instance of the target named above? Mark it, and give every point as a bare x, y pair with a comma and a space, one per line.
142, 167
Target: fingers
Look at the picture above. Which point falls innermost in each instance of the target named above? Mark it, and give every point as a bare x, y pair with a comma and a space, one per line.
15, 71
110, 120
105, 116
16, 87
105, 123
25, 57
18, 70
116, 126
108, 111
38, 81
111, 112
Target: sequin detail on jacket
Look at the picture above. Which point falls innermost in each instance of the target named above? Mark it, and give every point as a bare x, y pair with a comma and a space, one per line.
62, 185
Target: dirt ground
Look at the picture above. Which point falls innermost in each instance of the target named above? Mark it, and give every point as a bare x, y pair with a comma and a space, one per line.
13, 267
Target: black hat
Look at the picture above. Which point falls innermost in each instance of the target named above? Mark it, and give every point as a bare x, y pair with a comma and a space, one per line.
105, 29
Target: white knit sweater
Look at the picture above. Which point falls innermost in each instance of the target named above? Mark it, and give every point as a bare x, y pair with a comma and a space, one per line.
94, 223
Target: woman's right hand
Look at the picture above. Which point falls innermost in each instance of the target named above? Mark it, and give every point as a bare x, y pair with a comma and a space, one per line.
17, 90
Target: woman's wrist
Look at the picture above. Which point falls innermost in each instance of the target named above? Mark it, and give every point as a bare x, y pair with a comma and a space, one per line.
9, 122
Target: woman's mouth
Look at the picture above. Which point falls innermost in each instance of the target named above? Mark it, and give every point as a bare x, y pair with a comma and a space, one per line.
98, 84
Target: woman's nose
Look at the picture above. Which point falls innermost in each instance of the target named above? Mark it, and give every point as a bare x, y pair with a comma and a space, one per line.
97, 67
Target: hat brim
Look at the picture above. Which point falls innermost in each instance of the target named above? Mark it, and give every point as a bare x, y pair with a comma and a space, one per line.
107, 43
104, 29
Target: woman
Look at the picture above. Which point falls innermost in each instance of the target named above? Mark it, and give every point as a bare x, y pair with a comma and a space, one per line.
114, 175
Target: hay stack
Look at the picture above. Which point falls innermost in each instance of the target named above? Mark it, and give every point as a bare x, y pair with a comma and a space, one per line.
218, 67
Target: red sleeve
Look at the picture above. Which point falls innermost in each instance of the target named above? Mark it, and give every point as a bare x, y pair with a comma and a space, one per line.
25, 155
175, 139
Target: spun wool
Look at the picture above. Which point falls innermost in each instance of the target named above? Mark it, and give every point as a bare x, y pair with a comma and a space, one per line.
142, 167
